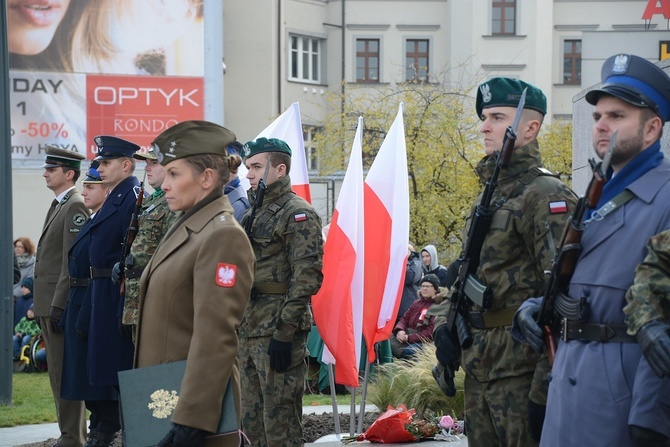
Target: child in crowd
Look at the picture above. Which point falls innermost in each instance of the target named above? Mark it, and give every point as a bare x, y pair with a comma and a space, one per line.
24, 332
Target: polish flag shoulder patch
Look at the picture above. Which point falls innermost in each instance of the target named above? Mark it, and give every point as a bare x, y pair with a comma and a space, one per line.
558, 207
300, 217
226, 274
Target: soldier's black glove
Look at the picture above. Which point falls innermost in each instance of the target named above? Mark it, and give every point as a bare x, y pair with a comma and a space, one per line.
536, 414
280, 354
529, 328
55, 314
183, 436
447, 351
654, 341
126, 330
116, 273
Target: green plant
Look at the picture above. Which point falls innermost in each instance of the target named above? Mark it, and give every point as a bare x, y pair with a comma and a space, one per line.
411, 382
32, 401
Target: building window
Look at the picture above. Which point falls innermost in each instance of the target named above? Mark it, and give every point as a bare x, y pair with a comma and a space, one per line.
572, 62
503, 17
367, 60
416, 60
305, 58
310, 151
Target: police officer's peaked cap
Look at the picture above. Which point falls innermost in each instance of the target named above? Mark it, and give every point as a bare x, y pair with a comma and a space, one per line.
636, 81
92, 175
506, 92
192, 138
57, 157
263, 144
148, 155
113, 147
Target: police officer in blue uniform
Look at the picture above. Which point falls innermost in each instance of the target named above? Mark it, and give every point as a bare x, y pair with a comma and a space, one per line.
108, 351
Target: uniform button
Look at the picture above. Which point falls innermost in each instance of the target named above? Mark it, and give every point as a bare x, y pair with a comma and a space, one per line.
586, 292
572, 381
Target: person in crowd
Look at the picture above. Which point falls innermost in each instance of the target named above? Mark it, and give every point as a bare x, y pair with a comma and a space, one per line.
431, 264
76, 320
195, 288
505, 381
154, 221
24, 331
24, 302
64, 220
416, 325
234, 189
287, 239
413, 274
108, 351
596, 359
24, 249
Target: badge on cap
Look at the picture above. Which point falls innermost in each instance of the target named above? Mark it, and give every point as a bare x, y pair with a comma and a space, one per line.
620, 65
226, 274
486, 92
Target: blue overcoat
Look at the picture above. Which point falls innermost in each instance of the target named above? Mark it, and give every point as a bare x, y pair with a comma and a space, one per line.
109, 352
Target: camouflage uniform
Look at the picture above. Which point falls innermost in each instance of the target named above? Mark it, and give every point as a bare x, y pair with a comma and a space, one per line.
287, 241
154, 221
649, 297
502, 375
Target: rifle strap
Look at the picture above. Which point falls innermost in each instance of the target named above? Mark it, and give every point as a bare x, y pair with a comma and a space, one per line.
617, 202
492, 319
271, 210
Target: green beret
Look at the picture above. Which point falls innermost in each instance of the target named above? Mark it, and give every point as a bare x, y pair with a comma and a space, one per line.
506, 92
263, 144
57, 157
191, 138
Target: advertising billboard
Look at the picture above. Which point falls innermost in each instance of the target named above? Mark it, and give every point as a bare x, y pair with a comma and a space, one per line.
82, 68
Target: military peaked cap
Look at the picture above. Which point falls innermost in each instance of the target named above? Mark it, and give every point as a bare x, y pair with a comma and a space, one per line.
92, 175
191, 138
57, 157
636, 81
263, 144
506, 92
113, 147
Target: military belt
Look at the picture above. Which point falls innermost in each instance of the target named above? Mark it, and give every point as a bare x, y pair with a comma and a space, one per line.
79, 282
268, 288
575, 330
134, 273
101, 273
491, 319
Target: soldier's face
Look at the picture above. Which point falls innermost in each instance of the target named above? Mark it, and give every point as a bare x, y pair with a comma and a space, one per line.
111, 171
495, 121
256, 166
183, 187
155, 173
56, 179
94, 195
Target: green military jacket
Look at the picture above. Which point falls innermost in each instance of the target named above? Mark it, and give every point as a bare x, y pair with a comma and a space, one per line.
288, 244
649, 296
154, 221
531, 210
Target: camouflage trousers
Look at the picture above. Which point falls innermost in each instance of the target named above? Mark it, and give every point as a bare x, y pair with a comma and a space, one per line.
496, 412
272, 401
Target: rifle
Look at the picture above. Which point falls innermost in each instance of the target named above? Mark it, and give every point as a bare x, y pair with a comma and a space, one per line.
468, 289
131, 232
569, 248
260, 195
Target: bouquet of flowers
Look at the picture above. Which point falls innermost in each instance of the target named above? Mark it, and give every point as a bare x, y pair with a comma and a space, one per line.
398, 425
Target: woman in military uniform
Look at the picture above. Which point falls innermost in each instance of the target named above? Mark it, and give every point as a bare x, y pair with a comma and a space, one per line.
196, 287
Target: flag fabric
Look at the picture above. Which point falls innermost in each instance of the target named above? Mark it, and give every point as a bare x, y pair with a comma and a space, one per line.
338, 306
288, 127
386, 197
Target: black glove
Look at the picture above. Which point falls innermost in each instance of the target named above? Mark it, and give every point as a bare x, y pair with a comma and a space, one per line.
529, 328
116, 273
280, 354
55, 314
183, 436
447, 351
654, 341
126, 330
536, 414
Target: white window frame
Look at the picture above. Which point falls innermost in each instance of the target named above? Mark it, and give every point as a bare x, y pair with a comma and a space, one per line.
310, 150
299, 53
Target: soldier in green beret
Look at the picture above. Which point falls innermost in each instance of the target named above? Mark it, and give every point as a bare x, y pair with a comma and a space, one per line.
505, 381
285, 233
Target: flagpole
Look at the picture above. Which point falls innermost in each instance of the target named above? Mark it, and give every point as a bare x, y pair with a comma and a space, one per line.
333, 397
364, 393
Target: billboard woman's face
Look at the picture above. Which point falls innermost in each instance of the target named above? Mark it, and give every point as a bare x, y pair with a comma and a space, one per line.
31, 24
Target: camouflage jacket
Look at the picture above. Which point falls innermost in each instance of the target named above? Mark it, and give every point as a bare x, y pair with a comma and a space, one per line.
287, 241
649, 297
518, 249
154, 221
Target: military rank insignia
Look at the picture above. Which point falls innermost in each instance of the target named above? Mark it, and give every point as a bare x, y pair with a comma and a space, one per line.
226, 274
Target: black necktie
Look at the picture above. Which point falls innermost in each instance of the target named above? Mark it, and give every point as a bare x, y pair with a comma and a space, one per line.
51, 211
